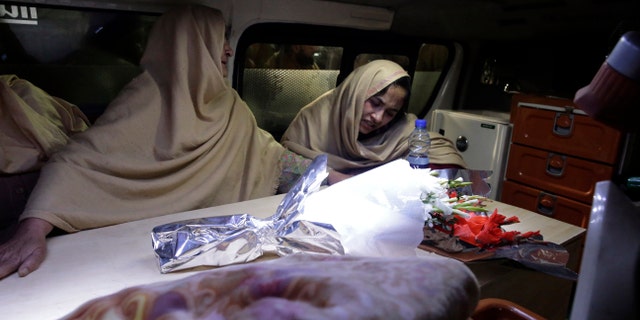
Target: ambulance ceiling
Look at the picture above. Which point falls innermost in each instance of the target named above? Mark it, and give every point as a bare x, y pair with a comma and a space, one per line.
510, 19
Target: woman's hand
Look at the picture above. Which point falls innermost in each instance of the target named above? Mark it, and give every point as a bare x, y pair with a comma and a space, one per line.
26, 250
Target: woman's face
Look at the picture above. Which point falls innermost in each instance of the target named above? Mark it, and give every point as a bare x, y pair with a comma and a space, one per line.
226, 53
379, 110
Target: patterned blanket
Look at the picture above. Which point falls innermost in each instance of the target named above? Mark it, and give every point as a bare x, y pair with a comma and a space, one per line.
303, 287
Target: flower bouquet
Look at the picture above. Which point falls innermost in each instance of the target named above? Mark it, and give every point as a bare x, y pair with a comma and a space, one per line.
457, 222
458, 225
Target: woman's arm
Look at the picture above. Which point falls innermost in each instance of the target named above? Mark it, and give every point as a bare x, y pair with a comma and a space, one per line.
293, 167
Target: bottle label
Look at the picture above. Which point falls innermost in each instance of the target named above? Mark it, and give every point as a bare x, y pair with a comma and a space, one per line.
418, 162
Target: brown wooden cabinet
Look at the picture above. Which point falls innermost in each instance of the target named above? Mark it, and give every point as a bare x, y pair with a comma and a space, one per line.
557, 155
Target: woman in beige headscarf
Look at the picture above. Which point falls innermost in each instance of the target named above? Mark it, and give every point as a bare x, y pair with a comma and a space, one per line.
177, 138
363, 123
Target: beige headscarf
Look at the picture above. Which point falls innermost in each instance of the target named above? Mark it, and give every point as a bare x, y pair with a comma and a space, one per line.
176, 138
33, 125
330, 124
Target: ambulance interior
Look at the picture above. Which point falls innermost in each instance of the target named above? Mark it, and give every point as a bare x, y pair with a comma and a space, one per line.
474, 65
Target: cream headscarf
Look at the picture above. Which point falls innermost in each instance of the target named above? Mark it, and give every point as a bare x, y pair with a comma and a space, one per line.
176, 138
330, 124
33, 125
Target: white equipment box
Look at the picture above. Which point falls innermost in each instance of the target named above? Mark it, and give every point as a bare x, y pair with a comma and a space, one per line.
482, 137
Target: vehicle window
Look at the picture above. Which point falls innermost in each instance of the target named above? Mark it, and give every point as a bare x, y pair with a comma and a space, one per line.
363, 58
293, 56
432, 61
280, 68
83, 56
279, 79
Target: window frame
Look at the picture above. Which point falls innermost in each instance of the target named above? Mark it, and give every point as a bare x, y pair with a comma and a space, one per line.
353, 41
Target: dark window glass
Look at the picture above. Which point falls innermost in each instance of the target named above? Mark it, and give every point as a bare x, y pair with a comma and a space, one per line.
279, 79
84, 56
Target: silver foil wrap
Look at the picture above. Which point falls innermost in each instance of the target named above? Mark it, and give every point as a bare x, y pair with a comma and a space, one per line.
224, 240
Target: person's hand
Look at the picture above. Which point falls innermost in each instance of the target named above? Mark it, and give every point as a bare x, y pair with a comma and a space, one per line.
26, 250
336, 176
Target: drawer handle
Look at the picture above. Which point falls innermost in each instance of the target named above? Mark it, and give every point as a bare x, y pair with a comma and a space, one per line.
563, 124
546, 203
556, 164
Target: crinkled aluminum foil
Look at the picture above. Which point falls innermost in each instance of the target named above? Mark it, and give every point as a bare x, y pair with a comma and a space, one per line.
224, 240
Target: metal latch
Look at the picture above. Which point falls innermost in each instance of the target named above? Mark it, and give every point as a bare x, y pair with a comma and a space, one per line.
556, 164
546, 203
563, 123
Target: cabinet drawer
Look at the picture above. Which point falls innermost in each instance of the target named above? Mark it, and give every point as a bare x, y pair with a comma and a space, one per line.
550, 205
553, 124
557, 173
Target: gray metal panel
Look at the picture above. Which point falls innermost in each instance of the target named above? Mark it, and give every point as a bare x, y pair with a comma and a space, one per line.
609, 281
487, 141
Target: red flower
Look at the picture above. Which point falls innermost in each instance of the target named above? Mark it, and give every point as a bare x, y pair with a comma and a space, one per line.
486, 231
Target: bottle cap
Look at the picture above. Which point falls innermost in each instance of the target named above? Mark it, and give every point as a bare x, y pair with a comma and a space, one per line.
625, 56
421, 123
614, 92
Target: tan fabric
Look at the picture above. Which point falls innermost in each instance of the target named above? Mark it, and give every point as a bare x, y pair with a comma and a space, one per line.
33, 125
303, 287
176, 138
330, 124
443, 152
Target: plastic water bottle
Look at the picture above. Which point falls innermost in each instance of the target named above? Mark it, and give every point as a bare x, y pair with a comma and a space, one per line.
419, 143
